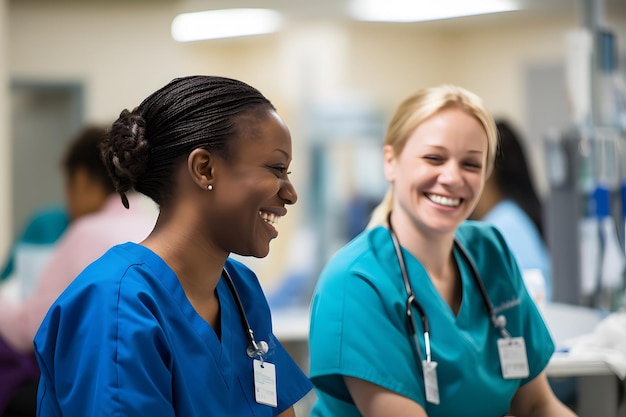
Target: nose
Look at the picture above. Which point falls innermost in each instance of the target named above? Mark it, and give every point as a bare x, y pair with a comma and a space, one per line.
451, 174
287, 192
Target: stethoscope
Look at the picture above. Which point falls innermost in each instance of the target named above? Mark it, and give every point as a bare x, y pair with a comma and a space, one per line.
499, 322
255, 349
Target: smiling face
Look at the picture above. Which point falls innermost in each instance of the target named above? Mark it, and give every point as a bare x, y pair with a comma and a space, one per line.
251, 188
439, 175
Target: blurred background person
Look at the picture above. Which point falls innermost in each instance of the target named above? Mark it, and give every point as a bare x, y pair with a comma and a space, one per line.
97, 221
38, 236
510, 202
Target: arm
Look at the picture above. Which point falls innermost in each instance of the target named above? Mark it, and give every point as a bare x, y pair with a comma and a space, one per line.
375, 401
536, 399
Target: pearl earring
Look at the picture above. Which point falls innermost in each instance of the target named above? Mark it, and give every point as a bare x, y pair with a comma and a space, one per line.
209, 187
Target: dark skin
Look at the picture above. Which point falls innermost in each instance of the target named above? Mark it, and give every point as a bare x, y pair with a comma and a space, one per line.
197, 229
198, 266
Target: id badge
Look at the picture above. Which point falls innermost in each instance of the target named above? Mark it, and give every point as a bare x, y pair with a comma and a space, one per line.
513, 359
265, 383
430, 381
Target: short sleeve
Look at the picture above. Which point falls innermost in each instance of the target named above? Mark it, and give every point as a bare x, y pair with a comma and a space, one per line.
291, 382
537, 337
354, 323
101, 372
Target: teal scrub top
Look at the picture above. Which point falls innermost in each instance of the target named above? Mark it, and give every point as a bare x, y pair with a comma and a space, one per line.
359, 327
43, 229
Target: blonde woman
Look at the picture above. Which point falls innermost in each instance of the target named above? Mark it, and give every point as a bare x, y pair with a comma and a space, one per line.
425, 313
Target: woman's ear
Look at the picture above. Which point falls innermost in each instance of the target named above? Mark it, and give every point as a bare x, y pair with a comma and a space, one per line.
200, 167
389, 161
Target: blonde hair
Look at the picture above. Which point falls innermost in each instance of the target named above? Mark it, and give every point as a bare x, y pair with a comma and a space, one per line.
418, 107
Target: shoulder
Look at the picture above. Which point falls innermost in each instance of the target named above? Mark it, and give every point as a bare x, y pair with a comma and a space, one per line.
115, 260
240, 273
96, 288
46, 225
361, 267
245, 280
513, 223
486, 246
492, 258
119, 264
505, 211
361, 253
127, 277
478, 236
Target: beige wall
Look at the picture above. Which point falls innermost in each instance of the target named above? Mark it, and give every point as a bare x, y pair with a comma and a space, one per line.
122, 53
5, 150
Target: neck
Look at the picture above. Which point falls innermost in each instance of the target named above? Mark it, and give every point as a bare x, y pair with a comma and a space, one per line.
433, 251
197, 264
435, 254
197, 268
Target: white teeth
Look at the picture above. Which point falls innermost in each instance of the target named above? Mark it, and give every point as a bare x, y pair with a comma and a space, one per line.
271, 218
444, 201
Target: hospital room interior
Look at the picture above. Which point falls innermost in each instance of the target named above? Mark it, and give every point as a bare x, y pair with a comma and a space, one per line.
554, 70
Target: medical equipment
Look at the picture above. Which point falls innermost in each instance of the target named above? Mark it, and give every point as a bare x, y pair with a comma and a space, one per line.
254, 350
499, 322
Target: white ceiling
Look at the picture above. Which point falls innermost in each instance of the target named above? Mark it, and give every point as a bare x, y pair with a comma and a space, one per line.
336, 9
297, 10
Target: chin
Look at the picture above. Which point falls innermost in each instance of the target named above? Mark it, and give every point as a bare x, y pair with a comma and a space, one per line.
263, 253
256, 252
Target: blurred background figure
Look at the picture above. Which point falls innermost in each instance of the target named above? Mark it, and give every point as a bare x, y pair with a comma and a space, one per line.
510, 202
38, 237
97, 221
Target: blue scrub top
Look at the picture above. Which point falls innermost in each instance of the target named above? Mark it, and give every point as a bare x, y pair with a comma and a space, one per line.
359, 327
124, 340
523, 238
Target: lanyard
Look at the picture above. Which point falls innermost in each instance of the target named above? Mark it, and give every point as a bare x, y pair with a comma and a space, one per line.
499, 322
254, 349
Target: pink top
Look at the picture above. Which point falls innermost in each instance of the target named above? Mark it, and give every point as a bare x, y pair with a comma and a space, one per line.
85, 240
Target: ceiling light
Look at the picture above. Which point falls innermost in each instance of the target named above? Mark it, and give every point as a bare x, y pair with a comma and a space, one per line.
423, 10
225, 23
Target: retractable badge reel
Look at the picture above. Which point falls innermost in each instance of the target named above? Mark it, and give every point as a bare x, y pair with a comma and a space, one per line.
264, 372
429, 367
512, 352
265, 383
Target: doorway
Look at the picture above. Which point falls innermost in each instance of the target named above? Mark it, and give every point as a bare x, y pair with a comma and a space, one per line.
44, 117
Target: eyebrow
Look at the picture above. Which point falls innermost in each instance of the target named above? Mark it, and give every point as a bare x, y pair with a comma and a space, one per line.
474, 151
284, 152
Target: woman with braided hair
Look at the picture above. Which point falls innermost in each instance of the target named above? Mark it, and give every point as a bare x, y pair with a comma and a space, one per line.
172, 326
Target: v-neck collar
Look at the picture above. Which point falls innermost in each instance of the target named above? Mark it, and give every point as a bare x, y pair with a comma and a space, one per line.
415, 269
222, 350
